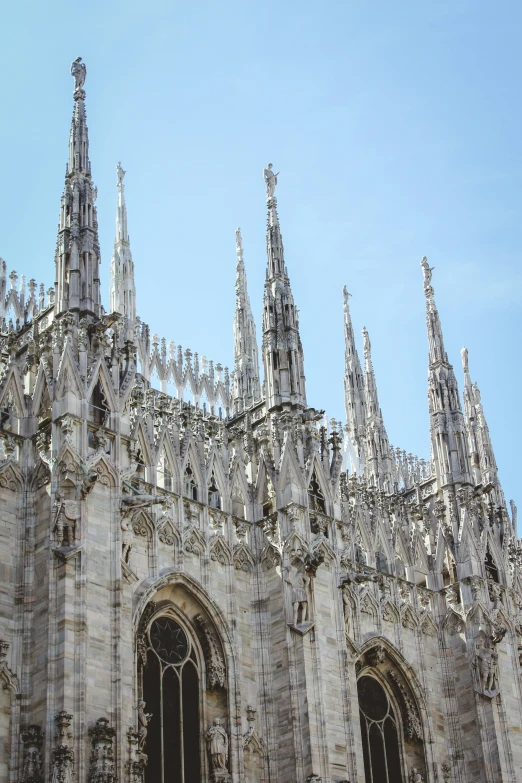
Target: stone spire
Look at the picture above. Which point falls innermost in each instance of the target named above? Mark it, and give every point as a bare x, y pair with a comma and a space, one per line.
447, 426
378, 452
482, 457
122, 288
282, 349
246, 386
353, 395
78, 247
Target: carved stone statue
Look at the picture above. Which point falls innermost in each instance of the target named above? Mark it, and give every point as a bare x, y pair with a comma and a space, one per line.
130, 505
217, 745
143, 721
239, 243
120, 173
298, 579
270, 180
346, 607
67, 513
416, 776
127, 539
78, 72
427, 270
486, 662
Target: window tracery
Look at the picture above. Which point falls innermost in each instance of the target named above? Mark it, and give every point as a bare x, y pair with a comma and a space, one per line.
170, 695
380, 733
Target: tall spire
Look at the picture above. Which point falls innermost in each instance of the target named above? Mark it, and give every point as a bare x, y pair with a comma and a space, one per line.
447, 426
78, 248
246, 386
378, 452
353, 395
282, 349
482, 457
122, 288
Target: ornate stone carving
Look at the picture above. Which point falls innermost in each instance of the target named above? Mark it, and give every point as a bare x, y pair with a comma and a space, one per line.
130, 506
486, 662
215, 665
78, 72
102, 768
32, 769
217, 747
299, 581
377, 655
137, 761
415, 776
141, 638
412, 723
62, 765
144, 719
446, 773
270, 181
66, 515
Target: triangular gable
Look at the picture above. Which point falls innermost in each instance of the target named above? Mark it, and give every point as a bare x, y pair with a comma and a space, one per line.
12, 387
68, 377
100, 373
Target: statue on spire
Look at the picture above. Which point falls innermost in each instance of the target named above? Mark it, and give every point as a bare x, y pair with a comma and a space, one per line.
239, 244
270, 180
426, 270
78, 72
465, 360
120, 173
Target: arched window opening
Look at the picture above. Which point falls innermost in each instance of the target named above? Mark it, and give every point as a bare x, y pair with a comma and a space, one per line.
238, 503
170, 693
449, 571
380, 736
214, 498
140, 464
98, 408
268, 497
316, 500
164, 473
381, 561
491, 568
190, 485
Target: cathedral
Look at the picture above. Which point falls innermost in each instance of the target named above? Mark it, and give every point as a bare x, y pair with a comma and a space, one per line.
205, 580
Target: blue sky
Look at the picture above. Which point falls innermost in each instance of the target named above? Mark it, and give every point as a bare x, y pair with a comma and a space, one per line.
396, 127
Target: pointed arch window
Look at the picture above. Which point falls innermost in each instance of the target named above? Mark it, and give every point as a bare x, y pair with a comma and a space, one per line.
140, 464
98, 407
164, 473
214, 498
170, 692
190, 484
380, 733
491, 568
316, 501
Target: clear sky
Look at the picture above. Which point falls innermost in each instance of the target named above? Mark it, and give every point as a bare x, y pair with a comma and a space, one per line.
397, 130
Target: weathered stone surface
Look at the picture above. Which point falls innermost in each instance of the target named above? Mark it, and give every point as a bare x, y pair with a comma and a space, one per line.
223, 544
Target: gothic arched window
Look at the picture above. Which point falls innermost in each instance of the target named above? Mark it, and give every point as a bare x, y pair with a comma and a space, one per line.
214, 498
191, 488
171, 694
315, 496
380, 733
